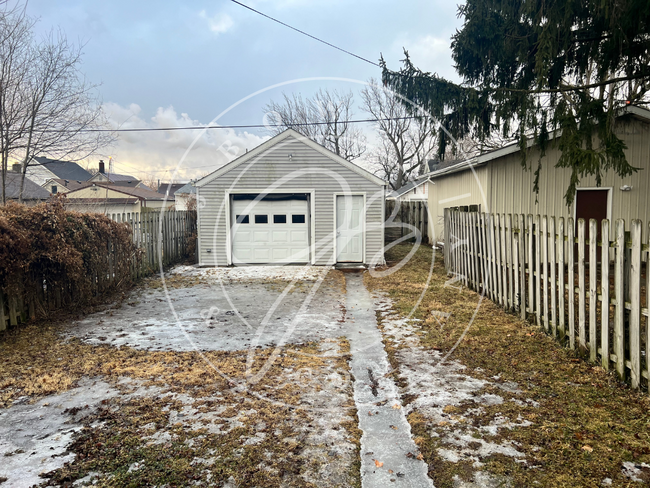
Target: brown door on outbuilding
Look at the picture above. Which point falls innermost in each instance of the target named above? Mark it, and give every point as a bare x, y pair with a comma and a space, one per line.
591, 204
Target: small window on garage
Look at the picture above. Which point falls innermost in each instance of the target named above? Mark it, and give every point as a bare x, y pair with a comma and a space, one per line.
261, 219
242, 219
298, 219
279, 219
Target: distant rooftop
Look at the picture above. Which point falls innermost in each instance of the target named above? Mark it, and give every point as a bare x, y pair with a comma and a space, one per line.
169, 188
66, 170
187, 188
31, 190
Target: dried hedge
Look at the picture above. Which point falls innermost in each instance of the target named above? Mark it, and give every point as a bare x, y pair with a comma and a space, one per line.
51, 257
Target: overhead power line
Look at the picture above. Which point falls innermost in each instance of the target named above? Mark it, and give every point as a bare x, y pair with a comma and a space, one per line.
249, 126
306, 34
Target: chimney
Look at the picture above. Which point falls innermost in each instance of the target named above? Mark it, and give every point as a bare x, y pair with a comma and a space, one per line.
101, 167
15, 167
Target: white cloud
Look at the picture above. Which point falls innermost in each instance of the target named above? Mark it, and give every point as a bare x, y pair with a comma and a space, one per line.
162, 154
218, 23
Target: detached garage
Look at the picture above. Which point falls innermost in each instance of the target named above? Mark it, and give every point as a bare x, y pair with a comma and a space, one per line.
290, 201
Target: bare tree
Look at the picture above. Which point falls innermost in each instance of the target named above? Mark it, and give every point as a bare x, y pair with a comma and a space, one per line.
63, 112
46, 106
15, 52
325, 119
406, 142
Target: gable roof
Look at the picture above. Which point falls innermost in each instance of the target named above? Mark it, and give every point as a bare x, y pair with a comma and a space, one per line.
170, 188
483, 159
31, 190
410, 185
279, 138
69, 184
66, 170
140, 193
188, 188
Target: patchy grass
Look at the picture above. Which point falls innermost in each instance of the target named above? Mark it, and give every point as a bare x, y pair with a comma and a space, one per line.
260, 434
585, 423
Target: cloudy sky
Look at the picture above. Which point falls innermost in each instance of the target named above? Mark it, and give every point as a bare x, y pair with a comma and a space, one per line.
172, 64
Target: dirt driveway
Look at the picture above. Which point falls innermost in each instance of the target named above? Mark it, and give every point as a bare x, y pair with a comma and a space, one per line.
235, 377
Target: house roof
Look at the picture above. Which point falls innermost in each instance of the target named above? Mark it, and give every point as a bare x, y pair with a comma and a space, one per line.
116, 178
279, 138
186, 189
485, 158
170, 188
66, 170
140, 193
69, 184
31, 191
405, 189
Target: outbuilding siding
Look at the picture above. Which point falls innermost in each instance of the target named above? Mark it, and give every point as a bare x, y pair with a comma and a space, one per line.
512, 186
307, 170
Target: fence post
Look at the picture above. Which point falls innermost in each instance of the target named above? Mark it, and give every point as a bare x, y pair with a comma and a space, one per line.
560, 274
538, 272
509, 260
582, 334
635, 302
604, 290
593, 291
647, 307
545, 281
516, 237
522, 264
571, 280
553, 277
619, 312
447, 239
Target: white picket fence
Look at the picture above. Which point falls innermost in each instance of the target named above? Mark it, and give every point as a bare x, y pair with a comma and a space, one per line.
537, 267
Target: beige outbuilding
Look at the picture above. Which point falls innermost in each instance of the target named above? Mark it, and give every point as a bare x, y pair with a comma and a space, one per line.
495, 182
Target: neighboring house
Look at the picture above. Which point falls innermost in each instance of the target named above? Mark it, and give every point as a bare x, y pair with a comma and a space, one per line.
290, 200
412, 191
59, 185
495, 182
32, 193
119, 202
42, 169
183, 195
117, 179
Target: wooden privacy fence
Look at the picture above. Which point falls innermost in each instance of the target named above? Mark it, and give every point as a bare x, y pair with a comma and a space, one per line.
158, 238
162, 236
588, 284
415, 213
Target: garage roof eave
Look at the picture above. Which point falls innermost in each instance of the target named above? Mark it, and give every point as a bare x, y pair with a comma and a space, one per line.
275, 140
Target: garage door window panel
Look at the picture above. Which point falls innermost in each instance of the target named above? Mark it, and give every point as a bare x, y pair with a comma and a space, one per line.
242, 219
279, 219
261, 219
298, 219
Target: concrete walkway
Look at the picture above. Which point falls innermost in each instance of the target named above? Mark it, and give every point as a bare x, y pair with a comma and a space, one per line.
388, 453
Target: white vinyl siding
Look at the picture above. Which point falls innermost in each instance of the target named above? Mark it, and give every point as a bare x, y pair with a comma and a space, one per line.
307, 171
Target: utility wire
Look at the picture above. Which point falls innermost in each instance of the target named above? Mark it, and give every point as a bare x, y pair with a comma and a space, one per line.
250, 126
306, 34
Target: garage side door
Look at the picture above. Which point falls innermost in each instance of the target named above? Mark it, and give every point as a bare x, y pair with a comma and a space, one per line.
270, 232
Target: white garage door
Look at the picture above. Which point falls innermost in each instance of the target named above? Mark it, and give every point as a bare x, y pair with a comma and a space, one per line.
270, 231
